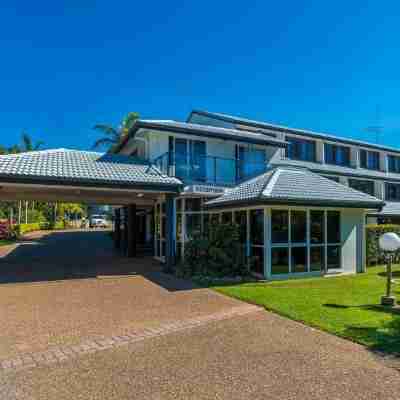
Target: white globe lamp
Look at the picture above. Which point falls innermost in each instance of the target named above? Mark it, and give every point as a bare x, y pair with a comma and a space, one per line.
389, 242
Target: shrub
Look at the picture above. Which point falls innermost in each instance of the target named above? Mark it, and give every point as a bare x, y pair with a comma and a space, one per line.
7, 232
219, 253
374, 254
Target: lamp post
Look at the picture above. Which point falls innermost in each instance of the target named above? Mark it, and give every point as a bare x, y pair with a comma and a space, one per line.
389, 243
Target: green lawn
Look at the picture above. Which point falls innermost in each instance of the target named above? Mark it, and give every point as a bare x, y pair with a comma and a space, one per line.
347, 306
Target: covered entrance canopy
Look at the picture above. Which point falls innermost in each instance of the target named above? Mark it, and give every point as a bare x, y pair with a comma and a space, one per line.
86, 177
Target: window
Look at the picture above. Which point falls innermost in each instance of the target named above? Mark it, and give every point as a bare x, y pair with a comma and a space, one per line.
300, 149
298, 223
317, 227
280, 226
317, 258
226, 217
250, 162
241, 221
279, 260
333, 226
299, 259
338, 155
369, 159
193, 225
193, 204
394, 164
257, 227
362, 186
392, 192
257, 240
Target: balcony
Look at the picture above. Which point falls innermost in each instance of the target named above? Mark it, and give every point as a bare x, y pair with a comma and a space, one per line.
208, 169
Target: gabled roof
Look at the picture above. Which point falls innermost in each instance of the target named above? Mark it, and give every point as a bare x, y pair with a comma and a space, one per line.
202, 130
281, 128
295, 186
83, 168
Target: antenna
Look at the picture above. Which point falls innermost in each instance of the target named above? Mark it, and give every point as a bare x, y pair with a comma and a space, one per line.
377, 128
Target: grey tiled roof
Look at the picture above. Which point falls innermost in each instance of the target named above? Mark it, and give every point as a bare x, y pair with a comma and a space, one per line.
202, 130
391, 208
281, 128
337, 169
289, 185
82, 167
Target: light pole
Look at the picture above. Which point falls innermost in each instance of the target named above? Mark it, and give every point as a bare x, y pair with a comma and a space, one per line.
389, 243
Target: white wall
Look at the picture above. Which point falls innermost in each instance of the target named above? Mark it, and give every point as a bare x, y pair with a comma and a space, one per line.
352, 223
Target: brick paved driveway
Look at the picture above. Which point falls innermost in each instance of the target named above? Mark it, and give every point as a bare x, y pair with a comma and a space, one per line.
68, 287
104, 327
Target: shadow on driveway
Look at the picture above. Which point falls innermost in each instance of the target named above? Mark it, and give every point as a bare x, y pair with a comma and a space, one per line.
79, 254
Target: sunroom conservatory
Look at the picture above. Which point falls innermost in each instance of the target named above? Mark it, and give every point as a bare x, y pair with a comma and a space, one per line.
292, 223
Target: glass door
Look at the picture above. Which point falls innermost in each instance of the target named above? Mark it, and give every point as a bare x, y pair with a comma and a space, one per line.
181, 158
198, 160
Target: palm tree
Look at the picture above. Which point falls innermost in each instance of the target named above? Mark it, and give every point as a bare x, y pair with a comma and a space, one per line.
112, 136
28, 145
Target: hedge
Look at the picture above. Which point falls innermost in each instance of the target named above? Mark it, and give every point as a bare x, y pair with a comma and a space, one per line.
374, 254
21, 229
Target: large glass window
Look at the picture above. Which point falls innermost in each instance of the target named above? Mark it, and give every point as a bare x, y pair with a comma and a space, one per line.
280, 226
369, 159
333, 257
226, 217
300, 149
279, 260
250, 162
257, 241
317, 227
317, 261
394, 164
241, 221
392, 192
338, 155
298, 222
193, 225
299, 259
362, 186
333, 226
257, 227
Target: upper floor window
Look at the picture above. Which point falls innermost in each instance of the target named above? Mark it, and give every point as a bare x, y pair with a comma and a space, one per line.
338, 155
369, 159
394, 164
392, 192
300, 149
362, 186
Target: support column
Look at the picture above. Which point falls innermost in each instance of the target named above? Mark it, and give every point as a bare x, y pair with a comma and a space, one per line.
132, 231
117, 229
169, 234
124, 242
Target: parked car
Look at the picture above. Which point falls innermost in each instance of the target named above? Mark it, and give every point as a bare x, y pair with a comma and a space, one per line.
98, 221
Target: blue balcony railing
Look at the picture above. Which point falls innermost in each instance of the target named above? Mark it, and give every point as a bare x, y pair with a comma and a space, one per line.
208, 169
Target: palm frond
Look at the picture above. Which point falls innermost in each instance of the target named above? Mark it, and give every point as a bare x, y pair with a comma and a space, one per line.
27, 142
103, 142
107, 129
38, 145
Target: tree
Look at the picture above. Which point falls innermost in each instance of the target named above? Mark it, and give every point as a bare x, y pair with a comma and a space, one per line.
113, 136
28, 145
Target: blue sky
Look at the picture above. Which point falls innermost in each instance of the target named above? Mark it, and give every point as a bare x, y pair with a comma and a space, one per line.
67, 65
